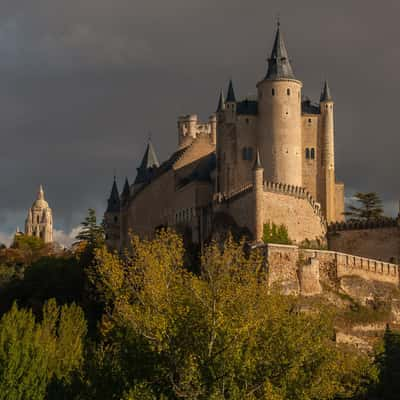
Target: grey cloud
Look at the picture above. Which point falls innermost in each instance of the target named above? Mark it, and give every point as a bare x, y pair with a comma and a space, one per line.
82, 82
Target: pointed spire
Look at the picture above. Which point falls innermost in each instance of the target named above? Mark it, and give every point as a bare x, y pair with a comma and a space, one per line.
125, 192
221, 102
230, 97
40, 195
326, 93
148, 164
114, 201
257, 163
279, 64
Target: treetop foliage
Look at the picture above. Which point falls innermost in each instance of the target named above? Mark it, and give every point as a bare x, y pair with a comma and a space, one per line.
369, 207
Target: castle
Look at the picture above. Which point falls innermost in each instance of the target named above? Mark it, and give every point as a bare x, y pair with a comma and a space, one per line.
256, 160
39, 222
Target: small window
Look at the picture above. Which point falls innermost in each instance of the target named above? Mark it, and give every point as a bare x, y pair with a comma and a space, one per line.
288, 92
247, 153
309, 120
313, 154
273, 92
247, 121
307, 154
115, 219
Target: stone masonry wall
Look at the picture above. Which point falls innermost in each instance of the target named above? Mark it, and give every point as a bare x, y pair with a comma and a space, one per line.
302, 270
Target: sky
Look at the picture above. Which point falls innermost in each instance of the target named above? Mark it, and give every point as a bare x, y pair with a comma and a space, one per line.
83, 83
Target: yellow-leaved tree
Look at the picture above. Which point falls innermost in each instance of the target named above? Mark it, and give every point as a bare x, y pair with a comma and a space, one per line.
223, 334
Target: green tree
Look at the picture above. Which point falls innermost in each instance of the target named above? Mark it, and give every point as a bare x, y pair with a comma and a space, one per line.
33, 354
388, 361
220, 335
369, 208
277, 234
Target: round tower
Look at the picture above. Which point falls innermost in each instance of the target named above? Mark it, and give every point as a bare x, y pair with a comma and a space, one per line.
327, 146
258, 193
279, 119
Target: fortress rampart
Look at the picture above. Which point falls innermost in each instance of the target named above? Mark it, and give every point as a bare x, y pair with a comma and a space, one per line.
297, 270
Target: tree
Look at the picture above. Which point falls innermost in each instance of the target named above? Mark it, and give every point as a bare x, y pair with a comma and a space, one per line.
277, 234
33, 354
89, 238
369, 208
220, 335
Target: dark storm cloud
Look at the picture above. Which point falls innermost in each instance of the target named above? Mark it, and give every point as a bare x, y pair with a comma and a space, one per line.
82, 82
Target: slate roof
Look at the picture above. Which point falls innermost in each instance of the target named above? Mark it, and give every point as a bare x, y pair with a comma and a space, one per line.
148, 165
230, 97
309, 108
247, 107
326, 93
114, 203
279, 64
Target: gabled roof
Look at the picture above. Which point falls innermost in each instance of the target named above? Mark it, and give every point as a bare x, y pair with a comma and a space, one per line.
114, 204
279, 64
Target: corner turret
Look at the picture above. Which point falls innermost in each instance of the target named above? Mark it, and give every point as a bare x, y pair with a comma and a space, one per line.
147, 167
258, 193
230, 104
327, 146
111, 221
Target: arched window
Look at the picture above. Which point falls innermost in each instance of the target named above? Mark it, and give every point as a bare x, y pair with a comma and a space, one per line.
307, 153
288, 91
309, 120
273, 92
313, 154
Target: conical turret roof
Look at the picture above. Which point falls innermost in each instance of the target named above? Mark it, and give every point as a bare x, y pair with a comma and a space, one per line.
230, 97
279, 64
148, 164
221, 102
114, 203
125, 192
326, 93
257, 163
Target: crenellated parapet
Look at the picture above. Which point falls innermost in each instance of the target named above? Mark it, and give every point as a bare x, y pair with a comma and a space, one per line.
298, 192
362, 225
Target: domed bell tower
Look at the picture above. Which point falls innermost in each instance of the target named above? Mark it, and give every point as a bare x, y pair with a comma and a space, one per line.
279, 120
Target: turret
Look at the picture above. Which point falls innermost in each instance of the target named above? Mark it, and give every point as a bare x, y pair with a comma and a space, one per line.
213, 128
230, 104
258, 193
327, 146
112, 218
279, 118
147, 167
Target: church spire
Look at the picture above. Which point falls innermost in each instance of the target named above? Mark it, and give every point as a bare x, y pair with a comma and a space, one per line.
125, 192
230, 97
114, 201
221, 102
279, 64
326, 93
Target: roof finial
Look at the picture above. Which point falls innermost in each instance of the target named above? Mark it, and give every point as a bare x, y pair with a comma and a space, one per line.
278, 20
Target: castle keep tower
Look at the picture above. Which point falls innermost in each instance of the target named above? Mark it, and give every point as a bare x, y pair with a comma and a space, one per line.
39, 222
279, 125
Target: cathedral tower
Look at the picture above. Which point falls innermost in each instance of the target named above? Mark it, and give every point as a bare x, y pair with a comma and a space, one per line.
327, 147
39, 222
279, 125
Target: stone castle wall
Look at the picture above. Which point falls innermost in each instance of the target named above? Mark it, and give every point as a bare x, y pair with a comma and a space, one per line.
296, 271
289, 205
381, 243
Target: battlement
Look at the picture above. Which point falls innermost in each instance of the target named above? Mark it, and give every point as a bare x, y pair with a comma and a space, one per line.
362, 225
285, 261
295, 191
189, 128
